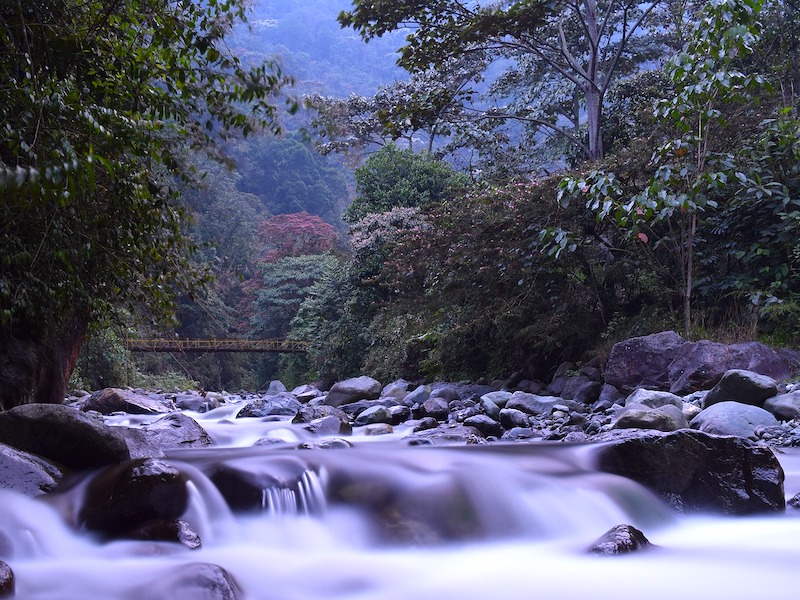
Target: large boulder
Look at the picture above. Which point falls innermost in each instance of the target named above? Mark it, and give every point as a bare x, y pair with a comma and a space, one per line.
694, 471
111, 400
701, 365
281, 404
740, 385
26, 473
63, 434
663, 418
653, 399
784, 406
200, 581
126, 497
621, 539
6, 581
531, 404
642, 362
353, 390
733, 418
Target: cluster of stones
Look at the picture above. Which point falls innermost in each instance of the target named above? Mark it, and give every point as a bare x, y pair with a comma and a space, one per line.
691, 421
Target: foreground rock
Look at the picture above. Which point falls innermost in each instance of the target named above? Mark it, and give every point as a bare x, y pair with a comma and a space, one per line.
733, 418
6, 581
201, 581
111, 400
620, 539
693, 471
63, 434
177, 430
127, 497
25, 473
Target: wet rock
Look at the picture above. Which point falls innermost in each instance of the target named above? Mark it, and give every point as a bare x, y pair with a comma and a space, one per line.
664, 418
353, 390
195, 402
139, 444
283, 404
701, 365
489, 408
733, 418
532, 404
609, 396
378, 429
436, 407
309, 413
306, 393
64, 435
588, 393
643, 362
199, 581
499, 398
111, 400
326, 444
126, 497
330, 425
653, 398
399, 414
275, 387
6, 581
397, 390
694, 471
26, 473
375, 414
354, 408
448, 433
620, 539
794, 502
485, 424
738, 385
426, 423
417, 396
784, 406
177, 430
164, 530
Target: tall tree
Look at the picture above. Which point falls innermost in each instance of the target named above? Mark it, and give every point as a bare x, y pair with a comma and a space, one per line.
584, 44
101, 100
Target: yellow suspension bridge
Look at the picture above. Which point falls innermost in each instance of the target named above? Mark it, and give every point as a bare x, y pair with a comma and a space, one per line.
214, 345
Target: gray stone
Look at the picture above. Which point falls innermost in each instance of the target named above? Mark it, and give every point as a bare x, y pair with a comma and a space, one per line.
665, 418
177, 430
485, 424
739, 385
375, 414
436, 407
588, 393
397, 390
201, 581
353, 390
733, 418
532, 404
275, 387
282, 404
609, 396
6, 581
417, 395
26, 473
490, 408
378, 429
111, 400
653, 398
499, 398
329, 425
784, 406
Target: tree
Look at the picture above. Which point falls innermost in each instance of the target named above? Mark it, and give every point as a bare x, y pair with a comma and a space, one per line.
393, 177
101, 100
582, 44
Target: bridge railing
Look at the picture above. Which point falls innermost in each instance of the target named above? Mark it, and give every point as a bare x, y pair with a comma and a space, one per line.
215, 345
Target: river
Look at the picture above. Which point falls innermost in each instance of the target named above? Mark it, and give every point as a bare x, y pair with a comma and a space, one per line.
387, 521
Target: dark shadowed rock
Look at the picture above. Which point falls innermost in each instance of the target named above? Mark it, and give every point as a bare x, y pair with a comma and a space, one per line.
111, 400
353, 390
485, 424
733, 418
177, 430
64, 435
620, 539
126, 497
6, 581
139, 444
436, 407
642, 362
198, 581
694, 471
784, 406
588, 393
739, 385
374, 414
26, 473
701, 365
609, 396
173, 530
330, 425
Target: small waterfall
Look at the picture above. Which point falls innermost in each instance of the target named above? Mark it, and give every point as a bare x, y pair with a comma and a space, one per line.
308, 499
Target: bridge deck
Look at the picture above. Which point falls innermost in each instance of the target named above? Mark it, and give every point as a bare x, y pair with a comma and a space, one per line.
197, 345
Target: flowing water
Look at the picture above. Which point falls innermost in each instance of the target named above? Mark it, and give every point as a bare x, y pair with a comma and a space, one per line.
386, 521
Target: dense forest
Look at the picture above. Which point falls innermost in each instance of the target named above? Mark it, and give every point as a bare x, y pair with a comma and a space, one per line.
483, 188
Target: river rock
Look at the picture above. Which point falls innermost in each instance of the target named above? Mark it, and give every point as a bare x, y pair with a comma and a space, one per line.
739, 385
511, 417
417, 396
198, 581
353, 390
621, 539
447, 433
26, 473
309, 413
397, 390
6, 581
139, 444
306, 393
609, 396
436, 407
588, 393
177, 430
63, 434
282, 404
733, 418
642, 362
784, 406
532, 404
329, 425
111, 400
375, 414
167, 530
195, 402
126, 497
653, 398
701, 365
663, 418
485, 424
694, 471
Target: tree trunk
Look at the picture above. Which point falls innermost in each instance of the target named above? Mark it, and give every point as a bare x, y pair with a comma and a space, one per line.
594, 119
36, 363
